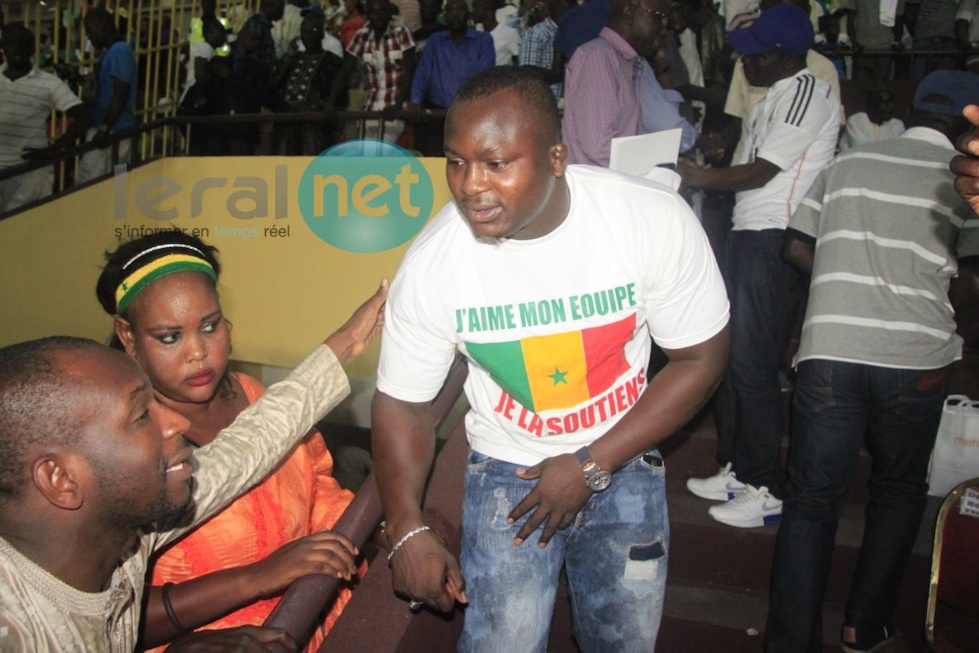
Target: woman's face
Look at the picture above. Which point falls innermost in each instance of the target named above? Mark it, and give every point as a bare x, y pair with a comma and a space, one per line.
179, 336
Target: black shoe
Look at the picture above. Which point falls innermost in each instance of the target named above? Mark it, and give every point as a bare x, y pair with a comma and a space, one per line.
869, 638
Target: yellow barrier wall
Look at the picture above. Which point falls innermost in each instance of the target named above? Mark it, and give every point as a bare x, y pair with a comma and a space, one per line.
284, 289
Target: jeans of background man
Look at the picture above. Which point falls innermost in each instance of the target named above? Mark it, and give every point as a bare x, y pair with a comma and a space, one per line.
836, 406
615, 552
748, 405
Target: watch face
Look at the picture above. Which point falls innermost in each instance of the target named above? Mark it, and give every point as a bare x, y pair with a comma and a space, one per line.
600, 481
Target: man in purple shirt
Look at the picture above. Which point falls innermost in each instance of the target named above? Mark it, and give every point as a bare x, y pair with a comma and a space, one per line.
604, 77
449, 59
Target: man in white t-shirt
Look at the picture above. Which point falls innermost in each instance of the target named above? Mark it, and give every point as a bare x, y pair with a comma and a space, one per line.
877, 123
550, 279
791, 136
506, 39
743, 97
27, 97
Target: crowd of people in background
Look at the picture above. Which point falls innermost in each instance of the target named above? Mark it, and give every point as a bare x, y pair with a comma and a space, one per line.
371, 56
754, 89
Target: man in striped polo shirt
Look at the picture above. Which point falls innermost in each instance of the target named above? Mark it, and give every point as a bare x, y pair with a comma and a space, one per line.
792, 135
27, 97
883, 235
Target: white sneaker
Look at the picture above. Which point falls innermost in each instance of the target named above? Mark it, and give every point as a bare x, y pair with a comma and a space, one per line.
722, 486
750, 509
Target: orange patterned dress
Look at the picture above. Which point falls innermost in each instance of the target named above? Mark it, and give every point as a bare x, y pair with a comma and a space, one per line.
299, 498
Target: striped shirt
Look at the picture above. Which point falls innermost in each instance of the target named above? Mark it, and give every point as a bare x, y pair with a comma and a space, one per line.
795, 127
25, 106
888, 228
601, 98
385, 62
537, 49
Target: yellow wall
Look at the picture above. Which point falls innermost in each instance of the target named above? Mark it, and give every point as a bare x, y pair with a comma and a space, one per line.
283, 295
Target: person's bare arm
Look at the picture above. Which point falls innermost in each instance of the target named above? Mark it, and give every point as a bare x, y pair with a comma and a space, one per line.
734, 179
243, 639
80, 118
798, 253
673, 397
403, 442
199, 601
117, 105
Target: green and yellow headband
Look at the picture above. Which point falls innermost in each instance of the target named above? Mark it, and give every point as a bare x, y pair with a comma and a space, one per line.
156, 263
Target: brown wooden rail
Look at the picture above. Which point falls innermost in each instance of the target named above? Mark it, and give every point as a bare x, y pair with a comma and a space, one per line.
303, 603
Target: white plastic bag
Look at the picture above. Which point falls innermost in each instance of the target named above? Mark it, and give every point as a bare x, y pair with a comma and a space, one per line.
956, 455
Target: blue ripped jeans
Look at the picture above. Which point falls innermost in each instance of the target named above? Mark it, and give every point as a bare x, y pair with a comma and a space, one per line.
615, 552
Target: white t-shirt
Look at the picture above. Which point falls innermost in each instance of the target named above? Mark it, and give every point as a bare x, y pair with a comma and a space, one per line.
860, 129
198, 50
742, 98
330, 44
25, 109
556, 328
795, 127
506, 43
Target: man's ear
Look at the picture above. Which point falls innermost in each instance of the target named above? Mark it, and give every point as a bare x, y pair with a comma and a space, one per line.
124, 331
559, 159
56, 479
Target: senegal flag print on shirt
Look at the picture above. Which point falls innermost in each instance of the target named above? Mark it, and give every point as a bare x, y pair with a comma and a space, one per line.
560, 370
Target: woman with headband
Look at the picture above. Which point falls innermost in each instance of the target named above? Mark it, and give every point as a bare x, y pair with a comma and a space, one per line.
162, 291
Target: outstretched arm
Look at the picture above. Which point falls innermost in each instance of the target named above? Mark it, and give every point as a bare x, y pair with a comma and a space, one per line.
734, 179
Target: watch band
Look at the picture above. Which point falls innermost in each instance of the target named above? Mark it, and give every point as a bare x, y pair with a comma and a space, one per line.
596, 478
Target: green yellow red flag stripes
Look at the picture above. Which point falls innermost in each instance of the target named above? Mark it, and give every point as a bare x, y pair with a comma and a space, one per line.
560, 370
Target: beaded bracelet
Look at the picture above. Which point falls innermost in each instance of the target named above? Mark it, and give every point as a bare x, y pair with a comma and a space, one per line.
171, 615
407, 536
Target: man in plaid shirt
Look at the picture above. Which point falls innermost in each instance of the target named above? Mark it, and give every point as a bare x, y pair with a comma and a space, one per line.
537, 47
388, 51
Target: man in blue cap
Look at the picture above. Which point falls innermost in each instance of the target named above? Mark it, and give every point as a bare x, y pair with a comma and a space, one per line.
792, 135
884, 238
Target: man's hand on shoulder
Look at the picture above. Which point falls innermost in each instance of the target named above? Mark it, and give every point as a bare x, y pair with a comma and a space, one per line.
560, 494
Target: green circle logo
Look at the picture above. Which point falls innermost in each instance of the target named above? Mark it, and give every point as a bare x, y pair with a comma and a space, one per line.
366, 196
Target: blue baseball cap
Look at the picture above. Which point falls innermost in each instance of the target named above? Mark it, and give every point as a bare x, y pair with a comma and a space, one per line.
312, 10
958, 87
783, 27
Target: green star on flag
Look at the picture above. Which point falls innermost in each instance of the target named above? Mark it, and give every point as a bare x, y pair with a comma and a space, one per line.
558, 376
